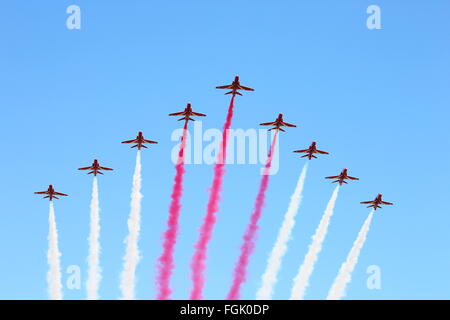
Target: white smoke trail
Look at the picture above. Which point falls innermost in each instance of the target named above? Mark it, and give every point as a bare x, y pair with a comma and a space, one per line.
94, 270
269, 278
53, 255
131, 258
301, 281
337, 291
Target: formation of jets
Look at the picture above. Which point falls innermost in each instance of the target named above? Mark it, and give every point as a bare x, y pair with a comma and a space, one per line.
95, 168
187, 114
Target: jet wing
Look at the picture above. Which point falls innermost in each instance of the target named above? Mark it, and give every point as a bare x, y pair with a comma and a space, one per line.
352, 178
268, 124
130, 141
41, 192
387, 203
198, 114
149, 141
182, 113
85, 168
333, 177
60, 194
288, 124
321, 152
105, 168
228, 86
247, 88
367, 202
302, 151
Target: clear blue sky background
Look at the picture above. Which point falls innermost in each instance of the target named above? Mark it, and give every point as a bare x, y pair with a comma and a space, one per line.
378, 101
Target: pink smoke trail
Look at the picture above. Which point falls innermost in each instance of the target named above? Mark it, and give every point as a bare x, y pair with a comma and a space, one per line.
248, 245
198, 259
166, 263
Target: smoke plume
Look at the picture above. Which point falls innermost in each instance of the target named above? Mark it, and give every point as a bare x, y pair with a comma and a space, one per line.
301, 281
53, 256
337, 291
166, 261
240, 270
131, 258
198, 262
94, 271
269, 278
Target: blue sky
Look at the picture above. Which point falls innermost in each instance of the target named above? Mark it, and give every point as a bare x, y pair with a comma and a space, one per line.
377, 100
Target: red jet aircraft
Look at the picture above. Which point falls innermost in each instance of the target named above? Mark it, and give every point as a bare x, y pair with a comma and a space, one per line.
139, 141
235, 86
377, 202
342, 177
278, 123
96, 168
51, 193
310, 151
187, 113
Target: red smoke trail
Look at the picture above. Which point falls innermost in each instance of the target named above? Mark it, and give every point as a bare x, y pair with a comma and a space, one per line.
166, 263
247, 247
198, 260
